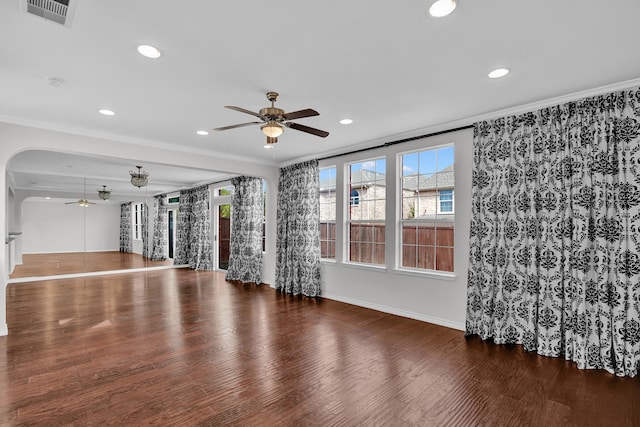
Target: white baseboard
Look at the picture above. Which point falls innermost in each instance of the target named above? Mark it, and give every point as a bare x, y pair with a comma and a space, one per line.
397, 312
4, 330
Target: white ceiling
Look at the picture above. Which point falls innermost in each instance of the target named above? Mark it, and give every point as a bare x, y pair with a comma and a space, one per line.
54, 173
386, 65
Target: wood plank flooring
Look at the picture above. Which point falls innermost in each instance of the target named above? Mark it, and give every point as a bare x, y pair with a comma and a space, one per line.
53, 264
178, 347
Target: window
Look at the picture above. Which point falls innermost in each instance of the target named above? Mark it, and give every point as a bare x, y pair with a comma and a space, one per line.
137, 218
264, 215
366, 218
223, 191
427, 205
354, 198
327, 180
445, 201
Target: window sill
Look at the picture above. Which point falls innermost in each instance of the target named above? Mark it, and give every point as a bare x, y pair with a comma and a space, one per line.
450, 277
362, 266
328, 261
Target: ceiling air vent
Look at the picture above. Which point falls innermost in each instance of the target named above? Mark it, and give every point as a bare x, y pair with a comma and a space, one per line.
59, 11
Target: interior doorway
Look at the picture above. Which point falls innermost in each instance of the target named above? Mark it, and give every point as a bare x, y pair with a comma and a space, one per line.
222, 234
173, 216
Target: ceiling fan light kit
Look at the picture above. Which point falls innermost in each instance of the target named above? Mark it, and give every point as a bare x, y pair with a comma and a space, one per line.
272, 129
82, 202
274, 120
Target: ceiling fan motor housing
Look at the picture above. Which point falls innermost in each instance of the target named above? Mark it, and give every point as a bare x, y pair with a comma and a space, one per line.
272, 113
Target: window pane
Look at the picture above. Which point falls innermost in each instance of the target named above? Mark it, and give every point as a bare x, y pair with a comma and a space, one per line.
327, 181
367, 202
366, 243
427, 206
410, 164
445, 157
428, 161
223, 191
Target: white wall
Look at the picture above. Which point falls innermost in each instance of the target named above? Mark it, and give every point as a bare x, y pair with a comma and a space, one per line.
52, 226
430, 297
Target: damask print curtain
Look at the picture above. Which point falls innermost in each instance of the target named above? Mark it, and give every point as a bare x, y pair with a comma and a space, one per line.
144, 229
183, 228
160, 227
193, 232
247, 214
125, 228
555, 232
298, 237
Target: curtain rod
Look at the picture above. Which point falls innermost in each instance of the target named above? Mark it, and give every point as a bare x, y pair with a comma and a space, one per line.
400, 141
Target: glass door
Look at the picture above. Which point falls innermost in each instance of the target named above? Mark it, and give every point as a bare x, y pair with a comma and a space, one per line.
171, 231
222, 235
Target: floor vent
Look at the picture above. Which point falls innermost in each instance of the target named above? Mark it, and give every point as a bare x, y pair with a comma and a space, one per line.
58, 11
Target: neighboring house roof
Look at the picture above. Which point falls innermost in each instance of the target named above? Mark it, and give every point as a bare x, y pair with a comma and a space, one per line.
442, 179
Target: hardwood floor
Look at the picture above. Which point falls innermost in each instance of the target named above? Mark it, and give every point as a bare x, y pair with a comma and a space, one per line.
53, 264
178, 347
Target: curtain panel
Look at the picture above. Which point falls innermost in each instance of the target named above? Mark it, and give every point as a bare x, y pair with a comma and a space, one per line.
183, 228
298, 235
160, 226
555, 236
144, 230
193, 231
125, 228
247, 215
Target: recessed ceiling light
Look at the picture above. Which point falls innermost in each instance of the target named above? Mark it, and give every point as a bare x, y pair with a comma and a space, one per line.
55, 81
442, 8
48, 198
106, 112
202, 132
149, 51
346, 121
498, 72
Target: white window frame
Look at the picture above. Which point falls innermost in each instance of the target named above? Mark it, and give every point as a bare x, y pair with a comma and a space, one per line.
136, 220
347, 213
400, 223
334, 206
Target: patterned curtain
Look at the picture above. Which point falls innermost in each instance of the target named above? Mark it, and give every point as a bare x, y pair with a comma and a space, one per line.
298, 239
193, 232
144, 229
200, 247
247, 213
554, 233
125, 228
183, 229
160, 226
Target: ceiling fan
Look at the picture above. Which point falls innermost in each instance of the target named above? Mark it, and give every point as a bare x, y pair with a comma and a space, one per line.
82, 202
274, 120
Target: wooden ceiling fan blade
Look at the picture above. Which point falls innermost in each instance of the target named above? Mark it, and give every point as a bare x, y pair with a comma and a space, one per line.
307, 129
70, 203
238, 126
242, 110
308, 112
